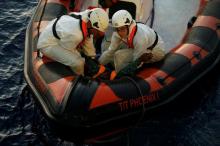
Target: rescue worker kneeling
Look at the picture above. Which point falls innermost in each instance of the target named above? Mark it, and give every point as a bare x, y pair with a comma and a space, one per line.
67, 37
144, 45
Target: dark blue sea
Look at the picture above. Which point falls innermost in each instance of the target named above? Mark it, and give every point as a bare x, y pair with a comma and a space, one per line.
193, 119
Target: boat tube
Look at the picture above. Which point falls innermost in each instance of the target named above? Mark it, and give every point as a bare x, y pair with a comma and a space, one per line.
100, 108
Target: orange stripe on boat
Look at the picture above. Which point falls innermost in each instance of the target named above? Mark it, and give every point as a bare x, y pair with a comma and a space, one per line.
147, 72
151, 76
104, 95
188, 51
161, 74
155, 84
207, 21
59, 87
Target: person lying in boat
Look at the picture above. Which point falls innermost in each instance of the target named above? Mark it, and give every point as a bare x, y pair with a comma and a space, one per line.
144, 45
66, 37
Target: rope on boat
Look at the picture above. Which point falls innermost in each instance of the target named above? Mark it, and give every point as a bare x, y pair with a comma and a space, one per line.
142, 98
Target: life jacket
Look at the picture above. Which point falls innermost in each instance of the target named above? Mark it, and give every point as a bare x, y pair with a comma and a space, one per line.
83, 27
132, 35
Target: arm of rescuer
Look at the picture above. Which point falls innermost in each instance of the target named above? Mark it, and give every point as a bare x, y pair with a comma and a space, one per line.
92, 67
108, 55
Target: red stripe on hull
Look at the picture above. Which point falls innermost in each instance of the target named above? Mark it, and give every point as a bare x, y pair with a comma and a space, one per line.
207, 21
153, 79
188, 51
147, 72
104, 95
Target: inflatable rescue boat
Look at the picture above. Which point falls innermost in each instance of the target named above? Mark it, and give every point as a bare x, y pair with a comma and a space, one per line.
100, 108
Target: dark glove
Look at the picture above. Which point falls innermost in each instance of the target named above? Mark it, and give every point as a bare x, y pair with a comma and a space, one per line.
93, 68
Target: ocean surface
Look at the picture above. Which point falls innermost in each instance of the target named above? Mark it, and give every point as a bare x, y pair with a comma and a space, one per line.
191, 120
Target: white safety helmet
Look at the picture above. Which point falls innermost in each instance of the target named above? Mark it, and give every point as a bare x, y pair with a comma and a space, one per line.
121, 18
99, 19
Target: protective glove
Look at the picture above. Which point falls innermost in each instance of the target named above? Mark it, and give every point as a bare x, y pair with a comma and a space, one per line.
93, 68
88, 47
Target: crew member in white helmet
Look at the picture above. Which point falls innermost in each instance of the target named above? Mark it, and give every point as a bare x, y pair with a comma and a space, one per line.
66, 37
144, 45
